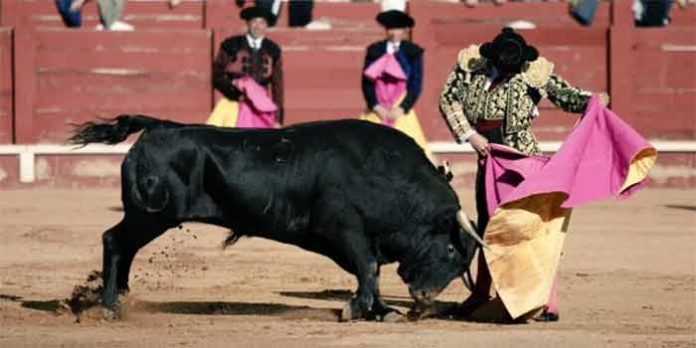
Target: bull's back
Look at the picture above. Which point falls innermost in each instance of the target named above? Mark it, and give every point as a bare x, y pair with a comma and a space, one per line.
361, 139
343, 140
364, 164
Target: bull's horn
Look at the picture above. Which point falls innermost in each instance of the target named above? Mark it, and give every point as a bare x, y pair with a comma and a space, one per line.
469, 229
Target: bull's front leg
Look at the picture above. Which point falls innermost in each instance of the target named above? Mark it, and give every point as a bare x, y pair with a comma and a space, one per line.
360, 306
381, 310
354, 252
367, 303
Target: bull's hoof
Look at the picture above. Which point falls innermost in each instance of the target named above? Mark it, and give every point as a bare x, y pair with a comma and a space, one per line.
415, 315
421, 311
357, 309
393, 317
109, 314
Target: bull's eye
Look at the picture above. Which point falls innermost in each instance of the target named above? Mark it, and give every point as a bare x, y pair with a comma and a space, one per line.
450, 248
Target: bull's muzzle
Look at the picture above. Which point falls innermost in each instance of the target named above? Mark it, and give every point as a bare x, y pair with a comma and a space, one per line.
424, 304
423, 296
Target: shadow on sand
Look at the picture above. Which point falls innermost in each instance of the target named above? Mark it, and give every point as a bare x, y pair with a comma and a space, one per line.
279, 310
193, 308
681, 207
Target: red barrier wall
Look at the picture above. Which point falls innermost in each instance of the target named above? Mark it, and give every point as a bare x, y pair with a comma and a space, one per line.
664, 77
72, 76
6, 87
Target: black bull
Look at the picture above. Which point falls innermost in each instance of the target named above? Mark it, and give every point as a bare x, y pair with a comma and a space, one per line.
359, 193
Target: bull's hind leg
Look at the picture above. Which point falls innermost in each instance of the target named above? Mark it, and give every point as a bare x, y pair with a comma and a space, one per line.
121, 243
112, 255
135, 240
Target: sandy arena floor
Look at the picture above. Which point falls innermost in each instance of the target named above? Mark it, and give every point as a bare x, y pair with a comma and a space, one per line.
628, 280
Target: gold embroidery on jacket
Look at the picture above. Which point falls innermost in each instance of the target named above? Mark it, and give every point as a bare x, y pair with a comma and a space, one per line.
464, 100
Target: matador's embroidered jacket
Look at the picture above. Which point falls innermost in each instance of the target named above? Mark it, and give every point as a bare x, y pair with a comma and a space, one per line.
466, 100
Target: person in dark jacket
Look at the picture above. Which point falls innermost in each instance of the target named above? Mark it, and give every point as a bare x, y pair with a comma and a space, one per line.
248, 71
393, 77
491, 97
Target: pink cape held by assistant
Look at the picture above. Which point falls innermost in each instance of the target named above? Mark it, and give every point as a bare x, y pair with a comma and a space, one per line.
390, 89
390, 82
254, 110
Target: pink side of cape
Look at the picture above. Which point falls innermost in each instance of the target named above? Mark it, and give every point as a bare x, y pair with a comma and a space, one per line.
591, 165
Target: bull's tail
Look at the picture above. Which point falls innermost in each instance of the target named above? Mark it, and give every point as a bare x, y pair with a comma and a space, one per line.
115, 130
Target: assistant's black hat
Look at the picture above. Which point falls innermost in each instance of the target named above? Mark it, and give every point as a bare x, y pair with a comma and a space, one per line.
395, 19
250, 13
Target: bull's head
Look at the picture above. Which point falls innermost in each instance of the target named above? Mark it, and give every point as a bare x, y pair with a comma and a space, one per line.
441, 254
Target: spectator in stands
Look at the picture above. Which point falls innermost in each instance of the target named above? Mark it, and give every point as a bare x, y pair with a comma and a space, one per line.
388, 5
646, 13
110, 12
273, 6
491, 96
174, 3
651, 13
393, 77
245, 69
299, 12
472, 3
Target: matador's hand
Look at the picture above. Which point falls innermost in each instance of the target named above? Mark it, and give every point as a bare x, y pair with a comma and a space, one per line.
480, 144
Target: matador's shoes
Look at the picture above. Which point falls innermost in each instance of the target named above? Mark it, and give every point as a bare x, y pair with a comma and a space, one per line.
547, 316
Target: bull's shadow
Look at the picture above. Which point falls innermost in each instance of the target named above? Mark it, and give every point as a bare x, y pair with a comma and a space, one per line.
242, 308
444, 310
280, 310
681, 207
53, 306
340, 295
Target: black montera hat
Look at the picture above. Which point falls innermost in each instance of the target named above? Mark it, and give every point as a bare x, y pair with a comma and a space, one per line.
395, 19
250, 13
509, 50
